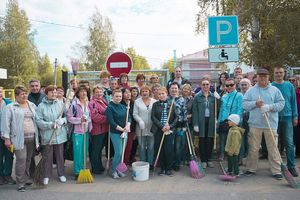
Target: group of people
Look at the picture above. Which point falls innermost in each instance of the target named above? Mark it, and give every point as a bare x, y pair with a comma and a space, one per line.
123, 118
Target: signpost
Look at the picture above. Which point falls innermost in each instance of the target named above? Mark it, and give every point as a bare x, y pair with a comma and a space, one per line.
118, 63
3, 73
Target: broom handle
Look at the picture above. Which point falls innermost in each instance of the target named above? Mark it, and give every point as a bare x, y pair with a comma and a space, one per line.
126, 121
222, 168
190, 136
84, 147
188, 141
215, 131
160, 145
276, 149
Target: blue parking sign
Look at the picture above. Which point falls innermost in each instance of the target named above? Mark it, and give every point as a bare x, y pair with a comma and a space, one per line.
223, 30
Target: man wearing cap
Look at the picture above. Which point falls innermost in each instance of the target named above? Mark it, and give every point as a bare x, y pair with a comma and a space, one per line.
288, 117
263, 98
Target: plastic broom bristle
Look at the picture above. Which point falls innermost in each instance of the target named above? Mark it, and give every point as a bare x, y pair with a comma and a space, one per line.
194, 170
85, 176
122, 168
289, 177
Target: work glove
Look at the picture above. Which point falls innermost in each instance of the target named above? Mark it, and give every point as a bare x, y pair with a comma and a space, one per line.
265, 108
123, 135
60, 121
168, 132
142, 125
127, 127
196, 129
216, 95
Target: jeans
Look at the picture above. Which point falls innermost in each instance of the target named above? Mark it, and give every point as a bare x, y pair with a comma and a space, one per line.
78, 150
97, 145
285, 129
146, 144
180, 141
118, 149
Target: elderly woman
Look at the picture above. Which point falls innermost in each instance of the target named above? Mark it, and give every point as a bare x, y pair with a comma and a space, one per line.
97, 107
154, 91
204, 122
116, 115
50, 120
18, 128
142, 115
79, 116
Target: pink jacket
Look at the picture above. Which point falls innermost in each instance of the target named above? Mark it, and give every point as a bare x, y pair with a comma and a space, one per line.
76, 120
97, 109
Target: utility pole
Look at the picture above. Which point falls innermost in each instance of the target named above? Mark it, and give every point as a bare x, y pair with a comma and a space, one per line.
55, 71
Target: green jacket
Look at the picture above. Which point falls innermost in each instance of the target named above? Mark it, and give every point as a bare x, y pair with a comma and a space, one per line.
234, 139
198, 113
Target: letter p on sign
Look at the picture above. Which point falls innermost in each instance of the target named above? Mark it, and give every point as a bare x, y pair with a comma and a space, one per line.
223, 30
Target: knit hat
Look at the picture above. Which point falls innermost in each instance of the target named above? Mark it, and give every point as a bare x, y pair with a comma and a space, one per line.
234, 118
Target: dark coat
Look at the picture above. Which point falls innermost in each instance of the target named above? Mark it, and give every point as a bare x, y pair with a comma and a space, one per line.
157, 109
199, 105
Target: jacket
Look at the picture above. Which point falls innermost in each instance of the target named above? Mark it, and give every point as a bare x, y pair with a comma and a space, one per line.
156, 112
12, 124
46, 114
36, 98
199, 106
234, 139
99, 120
76, 119
231, 100
269, 95
5, 102
142, 113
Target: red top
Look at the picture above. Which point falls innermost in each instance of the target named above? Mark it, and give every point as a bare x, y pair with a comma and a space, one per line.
99, 120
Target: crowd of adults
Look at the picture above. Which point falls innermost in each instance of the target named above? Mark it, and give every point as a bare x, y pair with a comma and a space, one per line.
114, 113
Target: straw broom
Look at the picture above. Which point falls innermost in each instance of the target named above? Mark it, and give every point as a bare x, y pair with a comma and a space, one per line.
287, 175
122, 166
162, 139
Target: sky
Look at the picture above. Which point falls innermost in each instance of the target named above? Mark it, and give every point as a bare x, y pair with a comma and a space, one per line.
154, 28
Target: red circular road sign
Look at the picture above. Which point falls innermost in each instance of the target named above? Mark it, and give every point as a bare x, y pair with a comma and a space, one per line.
118, 63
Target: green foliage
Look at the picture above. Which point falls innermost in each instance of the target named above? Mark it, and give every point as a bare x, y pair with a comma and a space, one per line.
18, 53
269, 30
169, 65
100, 42
139, 62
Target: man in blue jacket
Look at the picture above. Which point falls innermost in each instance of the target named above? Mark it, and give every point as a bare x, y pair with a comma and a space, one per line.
263, 98
288, 117
6, 157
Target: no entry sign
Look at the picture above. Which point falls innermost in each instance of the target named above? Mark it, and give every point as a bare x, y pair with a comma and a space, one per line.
118, 63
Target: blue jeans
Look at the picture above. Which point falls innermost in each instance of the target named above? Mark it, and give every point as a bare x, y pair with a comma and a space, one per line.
146, 144
180, 141
285, 130
118, 145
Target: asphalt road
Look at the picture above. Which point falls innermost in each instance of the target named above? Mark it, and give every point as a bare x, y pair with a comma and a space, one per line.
181, 186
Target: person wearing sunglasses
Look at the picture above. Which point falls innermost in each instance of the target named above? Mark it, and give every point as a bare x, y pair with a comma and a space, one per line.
261, 99
231, 103
288, 117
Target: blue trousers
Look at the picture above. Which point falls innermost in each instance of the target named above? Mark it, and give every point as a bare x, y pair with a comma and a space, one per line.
78, 163
146, 144
118, 144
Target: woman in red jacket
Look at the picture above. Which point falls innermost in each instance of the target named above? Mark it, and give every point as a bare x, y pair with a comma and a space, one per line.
97, 107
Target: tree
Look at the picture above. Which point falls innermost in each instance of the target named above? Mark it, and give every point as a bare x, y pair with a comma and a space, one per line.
139, 62
18, 53
269, 30
45, 70
100, 42
169, 65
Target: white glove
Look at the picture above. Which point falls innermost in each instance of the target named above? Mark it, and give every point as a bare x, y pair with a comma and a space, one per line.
60, 121
142, 125
127, 127
265, 108
123, 135
216, 95
196, 129
54, 125
167, 132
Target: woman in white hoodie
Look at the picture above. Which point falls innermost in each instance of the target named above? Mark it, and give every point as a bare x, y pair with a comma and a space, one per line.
142, 115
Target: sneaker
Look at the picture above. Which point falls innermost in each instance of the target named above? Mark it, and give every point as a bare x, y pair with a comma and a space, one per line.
46, 181
169, 173
278, 176
9, 180
162, 173
293, 172
249, 173
210, 164
2, 181
62, 179
21, 189
204, 165
121, 175
115, 175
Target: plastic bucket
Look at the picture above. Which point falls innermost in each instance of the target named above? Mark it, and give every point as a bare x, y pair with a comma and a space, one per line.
140, 171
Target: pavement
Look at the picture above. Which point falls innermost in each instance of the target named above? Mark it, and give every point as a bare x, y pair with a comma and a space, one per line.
181, 186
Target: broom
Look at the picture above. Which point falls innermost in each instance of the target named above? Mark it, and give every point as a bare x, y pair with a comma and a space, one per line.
162, 139
108, 153
215, 134
225, 176
85, 175
194, 170
122, 166
200, 168
39, 171
286, 173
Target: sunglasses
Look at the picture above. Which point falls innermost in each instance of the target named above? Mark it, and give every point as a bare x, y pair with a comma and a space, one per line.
243, 85
292, 80
229, 85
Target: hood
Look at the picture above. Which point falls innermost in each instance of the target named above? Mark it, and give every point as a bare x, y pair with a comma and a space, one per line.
241, 130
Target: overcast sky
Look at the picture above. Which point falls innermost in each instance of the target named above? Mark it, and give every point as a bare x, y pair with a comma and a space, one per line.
153, 27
